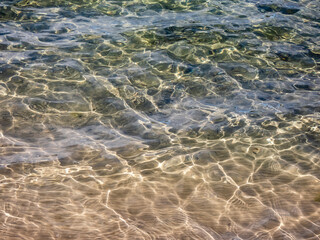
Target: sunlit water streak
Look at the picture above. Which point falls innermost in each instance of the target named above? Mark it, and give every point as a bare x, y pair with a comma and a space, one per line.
159, 119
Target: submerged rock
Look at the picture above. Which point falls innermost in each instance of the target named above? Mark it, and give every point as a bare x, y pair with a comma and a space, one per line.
6, 119
7, 13
240, 70
285, 7
304, 85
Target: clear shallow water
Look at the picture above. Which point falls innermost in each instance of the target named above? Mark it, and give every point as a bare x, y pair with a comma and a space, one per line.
159, 119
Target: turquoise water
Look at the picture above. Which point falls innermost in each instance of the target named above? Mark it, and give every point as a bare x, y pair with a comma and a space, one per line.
159, 119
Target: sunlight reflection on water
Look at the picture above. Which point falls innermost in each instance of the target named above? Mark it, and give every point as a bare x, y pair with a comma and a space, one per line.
159, 119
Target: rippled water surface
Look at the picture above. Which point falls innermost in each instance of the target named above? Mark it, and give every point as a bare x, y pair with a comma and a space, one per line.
159, 119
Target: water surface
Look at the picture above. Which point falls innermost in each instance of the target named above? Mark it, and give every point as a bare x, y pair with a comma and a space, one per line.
159, 119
